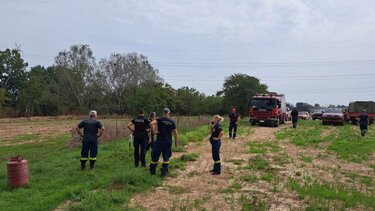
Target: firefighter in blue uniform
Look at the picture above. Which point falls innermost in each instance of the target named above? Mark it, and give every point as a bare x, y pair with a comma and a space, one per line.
151, 144
294, 115
215, 140
92, 131
234, 118
140, 126
163, 144
363, 123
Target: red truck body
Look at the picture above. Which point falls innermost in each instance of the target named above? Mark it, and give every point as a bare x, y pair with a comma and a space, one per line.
269, 109
355, 110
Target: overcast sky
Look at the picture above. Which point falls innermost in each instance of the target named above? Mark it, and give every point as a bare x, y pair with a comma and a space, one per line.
317, 51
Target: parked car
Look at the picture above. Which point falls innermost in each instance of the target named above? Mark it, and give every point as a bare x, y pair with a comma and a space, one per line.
303, 115
317, 114
333, 116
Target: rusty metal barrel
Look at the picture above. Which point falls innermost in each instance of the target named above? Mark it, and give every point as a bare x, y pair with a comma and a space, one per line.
18, 172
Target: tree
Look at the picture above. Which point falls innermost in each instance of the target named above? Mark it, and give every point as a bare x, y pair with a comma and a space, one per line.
125, 73
35, 91
304, 107
238, 89
188, 101
213, 105
12, 74
76, 69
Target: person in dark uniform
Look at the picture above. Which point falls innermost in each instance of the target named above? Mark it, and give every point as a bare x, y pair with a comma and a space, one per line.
163, 144
215, 140
151, 144
92, 131
294, 115
363, 122
234, 118
140, 127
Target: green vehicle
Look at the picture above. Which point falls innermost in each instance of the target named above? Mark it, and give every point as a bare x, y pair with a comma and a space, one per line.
355, 109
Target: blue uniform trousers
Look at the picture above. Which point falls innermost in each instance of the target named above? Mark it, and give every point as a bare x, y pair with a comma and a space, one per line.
232, 129
363, 128
164, 148
89, 146
216, 144
140, 144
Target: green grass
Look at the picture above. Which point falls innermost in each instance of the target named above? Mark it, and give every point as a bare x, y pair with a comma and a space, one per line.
233, 188
266, 177
55, 176
249, 178
24, 138
306, 159
262, 147
252, 204
350, 198
257, 163
345, 141
307, 133
195, 135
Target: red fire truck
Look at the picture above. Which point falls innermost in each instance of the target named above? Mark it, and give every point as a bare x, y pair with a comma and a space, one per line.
269, 109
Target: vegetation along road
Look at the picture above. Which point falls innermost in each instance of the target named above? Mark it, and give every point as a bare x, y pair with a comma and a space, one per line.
266, 168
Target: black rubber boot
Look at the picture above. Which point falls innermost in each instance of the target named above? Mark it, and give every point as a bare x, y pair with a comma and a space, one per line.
153, 169
83, 164
163, 172
92, 164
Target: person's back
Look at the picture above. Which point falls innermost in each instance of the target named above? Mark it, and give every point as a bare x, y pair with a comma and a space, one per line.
90, 128
363, 119
165, 128
141, 126
294, 114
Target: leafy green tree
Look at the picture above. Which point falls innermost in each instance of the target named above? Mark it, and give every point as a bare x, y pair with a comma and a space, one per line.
213, 105
124, 74
188, 101
12, 74
238, 89
152, 98
35, 91
76, 68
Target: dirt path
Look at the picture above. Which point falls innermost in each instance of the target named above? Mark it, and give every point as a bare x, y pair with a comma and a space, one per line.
195, 189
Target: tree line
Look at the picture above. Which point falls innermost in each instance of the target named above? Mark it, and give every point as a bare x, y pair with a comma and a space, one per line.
122, 83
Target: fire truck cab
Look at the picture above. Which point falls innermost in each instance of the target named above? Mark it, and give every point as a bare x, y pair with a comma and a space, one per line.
268, 109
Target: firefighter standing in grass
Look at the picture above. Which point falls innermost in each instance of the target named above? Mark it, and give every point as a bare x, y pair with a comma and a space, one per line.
363, 122
215, 140
92, 131
163, 144
140, 127
234, 118
294, 115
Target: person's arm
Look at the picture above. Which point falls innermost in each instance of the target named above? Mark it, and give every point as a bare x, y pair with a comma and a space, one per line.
78, 129
130, 127
238, 119
175, 134
100, 132
219, 137
149, 136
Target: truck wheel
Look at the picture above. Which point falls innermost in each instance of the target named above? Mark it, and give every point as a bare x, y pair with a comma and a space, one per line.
252, 122
354, 122
277, 123
282, 120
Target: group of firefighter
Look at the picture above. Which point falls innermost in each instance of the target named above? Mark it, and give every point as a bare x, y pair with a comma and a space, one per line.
144, 130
